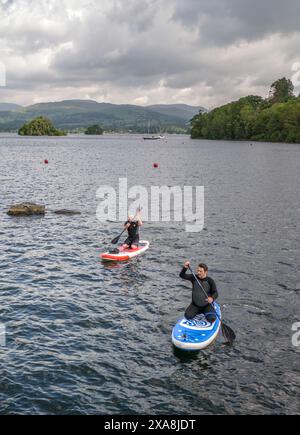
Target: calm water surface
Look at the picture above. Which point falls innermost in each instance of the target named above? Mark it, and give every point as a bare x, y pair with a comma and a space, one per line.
82, 337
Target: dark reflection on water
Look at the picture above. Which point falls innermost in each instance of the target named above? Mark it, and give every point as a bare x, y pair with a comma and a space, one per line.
89, 337
188, 357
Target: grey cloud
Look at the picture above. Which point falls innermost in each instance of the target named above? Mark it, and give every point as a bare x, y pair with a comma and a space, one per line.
124, 55
229, 21
135, 15
6, 4
28, 26
134, 48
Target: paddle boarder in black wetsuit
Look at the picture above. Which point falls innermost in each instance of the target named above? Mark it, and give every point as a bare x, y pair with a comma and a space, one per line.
133, 227
200, 304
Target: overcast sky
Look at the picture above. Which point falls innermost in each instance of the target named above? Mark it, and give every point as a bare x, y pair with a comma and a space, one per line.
199, 52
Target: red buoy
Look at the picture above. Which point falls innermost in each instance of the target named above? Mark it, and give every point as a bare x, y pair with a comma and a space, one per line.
46, 162
155, 165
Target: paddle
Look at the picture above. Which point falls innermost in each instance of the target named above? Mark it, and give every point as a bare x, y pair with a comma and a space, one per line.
116, 240
227, 332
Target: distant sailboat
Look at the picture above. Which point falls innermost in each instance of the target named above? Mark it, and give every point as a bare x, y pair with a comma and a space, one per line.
153, 137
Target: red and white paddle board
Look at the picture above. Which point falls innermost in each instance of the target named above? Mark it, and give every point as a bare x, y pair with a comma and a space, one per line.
126, 254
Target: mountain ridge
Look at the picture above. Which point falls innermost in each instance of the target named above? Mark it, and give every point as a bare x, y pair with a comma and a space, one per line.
77, 114
7, 107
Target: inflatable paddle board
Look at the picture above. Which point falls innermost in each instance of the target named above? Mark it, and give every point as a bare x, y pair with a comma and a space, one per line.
121, 254
196, 334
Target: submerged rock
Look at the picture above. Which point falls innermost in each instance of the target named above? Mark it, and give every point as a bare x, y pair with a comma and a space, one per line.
26, 209
67, 212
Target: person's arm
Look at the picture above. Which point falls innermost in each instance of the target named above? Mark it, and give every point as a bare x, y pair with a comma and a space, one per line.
184, 275
213, 290
127, 225
139, 220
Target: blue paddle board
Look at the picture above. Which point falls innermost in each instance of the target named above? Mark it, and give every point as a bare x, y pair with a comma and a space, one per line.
196, 334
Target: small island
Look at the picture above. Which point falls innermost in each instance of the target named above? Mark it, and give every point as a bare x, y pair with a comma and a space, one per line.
275, 119
94, 130
40, 126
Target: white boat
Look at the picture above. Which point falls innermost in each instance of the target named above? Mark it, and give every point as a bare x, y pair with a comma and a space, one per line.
153, 137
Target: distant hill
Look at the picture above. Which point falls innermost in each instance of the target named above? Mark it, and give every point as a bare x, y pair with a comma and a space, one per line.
77, 115
178, 110
6, 107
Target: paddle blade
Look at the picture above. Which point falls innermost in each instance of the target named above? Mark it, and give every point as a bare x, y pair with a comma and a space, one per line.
228, 334
116, 240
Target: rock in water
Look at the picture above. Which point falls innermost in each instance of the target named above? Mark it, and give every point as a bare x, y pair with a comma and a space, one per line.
26, 209
67, 212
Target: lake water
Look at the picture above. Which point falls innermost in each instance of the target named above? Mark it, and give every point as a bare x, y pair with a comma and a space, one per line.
82, 337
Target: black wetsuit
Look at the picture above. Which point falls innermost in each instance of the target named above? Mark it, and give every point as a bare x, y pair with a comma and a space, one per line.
133, 233
199, 303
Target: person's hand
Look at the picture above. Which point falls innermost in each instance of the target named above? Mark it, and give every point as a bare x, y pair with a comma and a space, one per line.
210, 300
187, 264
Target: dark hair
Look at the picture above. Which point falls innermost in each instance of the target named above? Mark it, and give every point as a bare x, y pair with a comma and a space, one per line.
203, 266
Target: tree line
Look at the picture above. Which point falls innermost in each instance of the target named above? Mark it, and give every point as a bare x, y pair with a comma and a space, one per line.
275, 119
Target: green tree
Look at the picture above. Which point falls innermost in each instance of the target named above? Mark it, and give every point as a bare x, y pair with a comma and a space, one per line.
281, 91
94, 130
40, 126
253, 118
